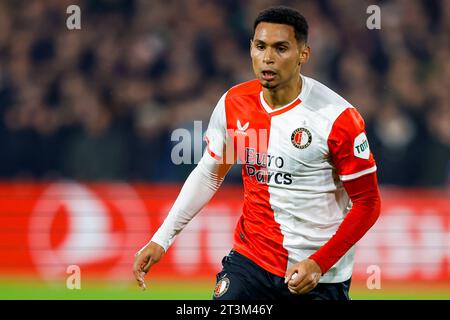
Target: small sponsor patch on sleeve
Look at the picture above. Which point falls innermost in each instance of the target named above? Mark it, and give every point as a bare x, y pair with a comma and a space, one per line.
361, 146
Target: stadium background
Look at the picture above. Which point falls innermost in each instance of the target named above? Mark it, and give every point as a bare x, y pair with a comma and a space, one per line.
87, 117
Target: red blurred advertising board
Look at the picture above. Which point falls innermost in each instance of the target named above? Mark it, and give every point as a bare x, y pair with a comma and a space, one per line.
46, 227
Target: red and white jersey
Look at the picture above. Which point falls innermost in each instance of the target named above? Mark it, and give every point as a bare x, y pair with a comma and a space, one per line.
294, 160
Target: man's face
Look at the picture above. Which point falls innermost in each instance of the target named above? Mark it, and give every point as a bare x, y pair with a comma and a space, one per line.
276, 54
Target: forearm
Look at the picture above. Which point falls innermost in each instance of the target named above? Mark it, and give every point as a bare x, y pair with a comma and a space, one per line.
365, 196
197, 191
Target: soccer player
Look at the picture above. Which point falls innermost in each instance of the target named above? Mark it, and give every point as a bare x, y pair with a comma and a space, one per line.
310, 184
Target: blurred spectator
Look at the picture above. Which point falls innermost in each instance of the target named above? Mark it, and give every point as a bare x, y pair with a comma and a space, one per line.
102, 102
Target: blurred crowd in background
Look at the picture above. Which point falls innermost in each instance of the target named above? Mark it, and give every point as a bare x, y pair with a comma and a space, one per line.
101, 103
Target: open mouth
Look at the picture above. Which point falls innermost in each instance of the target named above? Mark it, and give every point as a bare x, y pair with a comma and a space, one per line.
268, 75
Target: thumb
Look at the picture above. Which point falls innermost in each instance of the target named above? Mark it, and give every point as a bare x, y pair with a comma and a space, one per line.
148, 265
289, 274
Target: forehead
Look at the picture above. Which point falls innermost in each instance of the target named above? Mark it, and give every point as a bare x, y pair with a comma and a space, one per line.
274, 32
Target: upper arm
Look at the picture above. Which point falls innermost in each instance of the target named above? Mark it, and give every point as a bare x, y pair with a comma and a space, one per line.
349, 146
217, 167
216, 135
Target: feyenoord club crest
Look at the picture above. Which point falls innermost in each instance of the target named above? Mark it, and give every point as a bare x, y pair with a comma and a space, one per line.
221, 287
301, 138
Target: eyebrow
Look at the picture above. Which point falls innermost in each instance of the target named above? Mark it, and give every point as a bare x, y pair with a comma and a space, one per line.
278, 43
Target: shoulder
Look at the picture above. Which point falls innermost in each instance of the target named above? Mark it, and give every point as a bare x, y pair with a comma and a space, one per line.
323, 95
325, 101
239, 94
249, 88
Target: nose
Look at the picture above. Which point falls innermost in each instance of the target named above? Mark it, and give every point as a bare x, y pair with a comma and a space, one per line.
268, 56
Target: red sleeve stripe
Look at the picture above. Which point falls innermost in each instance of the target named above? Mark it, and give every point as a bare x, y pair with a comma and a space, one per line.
212, 154
348, 177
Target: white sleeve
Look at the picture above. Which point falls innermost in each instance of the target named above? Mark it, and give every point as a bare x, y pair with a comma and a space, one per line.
216, 134
198, 189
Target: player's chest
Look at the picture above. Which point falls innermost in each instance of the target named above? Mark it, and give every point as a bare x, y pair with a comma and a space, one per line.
286, 141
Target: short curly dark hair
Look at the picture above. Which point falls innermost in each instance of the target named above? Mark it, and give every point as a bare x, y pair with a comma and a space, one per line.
285, 15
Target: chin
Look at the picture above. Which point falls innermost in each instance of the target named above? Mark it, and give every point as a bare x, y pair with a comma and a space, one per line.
267, 84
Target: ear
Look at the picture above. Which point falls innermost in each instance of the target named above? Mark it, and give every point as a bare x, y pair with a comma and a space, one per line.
305, 52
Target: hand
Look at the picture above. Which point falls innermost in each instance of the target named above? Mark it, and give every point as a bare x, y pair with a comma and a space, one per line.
144, 259
303, 276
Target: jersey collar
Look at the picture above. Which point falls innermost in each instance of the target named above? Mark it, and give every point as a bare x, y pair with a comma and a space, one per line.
287, 107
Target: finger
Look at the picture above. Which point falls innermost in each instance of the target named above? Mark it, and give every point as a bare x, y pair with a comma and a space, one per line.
140, 280
303, 290
295, 281
297, 285
292, 291
307, 288
141, 283
289, 274
311, 279
137, 264
147, 267
138, 274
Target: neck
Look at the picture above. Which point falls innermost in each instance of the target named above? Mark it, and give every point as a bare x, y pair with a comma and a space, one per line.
278, 97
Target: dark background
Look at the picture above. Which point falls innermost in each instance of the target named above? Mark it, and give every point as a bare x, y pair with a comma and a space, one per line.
100, 103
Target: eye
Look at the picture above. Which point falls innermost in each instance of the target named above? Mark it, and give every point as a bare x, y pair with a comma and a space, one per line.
259, 47
282, 49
